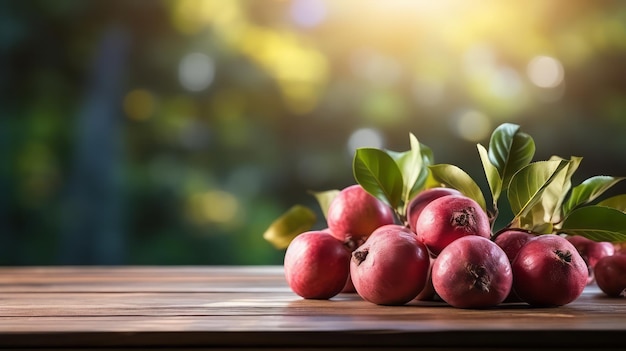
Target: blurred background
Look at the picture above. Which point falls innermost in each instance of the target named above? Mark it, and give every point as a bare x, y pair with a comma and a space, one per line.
174, 132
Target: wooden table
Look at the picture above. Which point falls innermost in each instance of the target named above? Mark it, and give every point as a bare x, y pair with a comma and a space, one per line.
252, 307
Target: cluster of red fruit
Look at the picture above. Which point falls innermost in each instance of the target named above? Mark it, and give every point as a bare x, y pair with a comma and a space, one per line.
445, 251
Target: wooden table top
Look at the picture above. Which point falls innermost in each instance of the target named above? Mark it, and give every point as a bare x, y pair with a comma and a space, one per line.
250, 307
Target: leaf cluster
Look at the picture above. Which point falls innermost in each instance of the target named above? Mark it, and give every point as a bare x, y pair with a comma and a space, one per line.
540, 193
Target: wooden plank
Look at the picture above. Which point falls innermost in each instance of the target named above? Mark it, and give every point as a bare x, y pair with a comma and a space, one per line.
590, 305
143, 279
246, 307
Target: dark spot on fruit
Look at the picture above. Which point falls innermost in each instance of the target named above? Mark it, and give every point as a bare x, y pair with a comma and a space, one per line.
480, 275
359, 256
565, 256
465, 218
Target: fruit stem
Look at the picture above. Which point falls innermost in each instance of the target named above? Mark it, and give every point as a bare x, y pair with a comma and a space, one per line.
493, 215
400, 213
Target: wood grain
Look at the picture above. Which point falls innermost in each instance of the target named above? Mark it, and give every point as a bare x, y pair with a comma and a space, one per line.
248, 307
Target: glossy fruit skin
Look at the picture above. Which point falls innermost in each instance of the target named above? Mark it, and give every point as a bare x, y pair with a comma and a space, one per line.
316, 265
472, 272
549, 271
610, 273
422, 199
390, 268
348, 288
428, 292
510, 241
354, 214
598, 250
448, 218
591, 251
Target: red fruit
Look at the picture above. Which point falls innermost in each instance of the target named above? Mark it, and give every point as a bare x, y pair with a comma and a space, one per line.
350, 245
579, 242
348, 288
510, 241
549, 271
424, 198
610, 273
598, 250
472, 272
428, 293
591, 251
317, 265
391, 267
354, 214
448, 218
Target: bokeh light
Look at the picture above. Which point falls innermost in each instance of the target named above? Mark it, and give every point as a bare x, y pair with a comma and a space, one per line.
545, 71
196, 71
472, 125
364, 137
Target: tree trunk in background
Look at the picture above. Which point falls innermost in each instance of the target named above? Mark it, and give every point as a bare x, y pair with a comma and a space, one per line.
93, 228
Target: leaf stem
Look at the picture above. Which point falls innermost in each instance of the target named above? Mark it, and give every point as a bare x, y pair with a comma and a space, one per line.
493, 215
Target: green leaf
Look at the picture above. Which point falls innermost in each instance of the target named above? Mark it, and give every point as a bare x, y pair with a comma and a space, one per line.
428, 159
617, 202
529, 183
589, 190
324, 198
597, 223
456, 178
555, 193
295, 221
491, 172
510, 150
548, 209
379, 175
410, 164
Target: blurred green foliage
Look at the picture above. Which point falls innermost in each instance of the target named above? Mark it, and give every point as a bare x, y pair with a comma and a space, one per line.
174, 132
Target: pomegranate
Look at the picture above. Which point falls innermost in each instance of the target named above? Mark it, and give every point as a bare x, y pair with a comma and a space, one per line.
591, 251
610, 273
597, 250
510, 241
549, 271
350, 245
428, 292
354, 214
424, 198
349, 287
448, 218
472, 272
317, 265
391, 267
